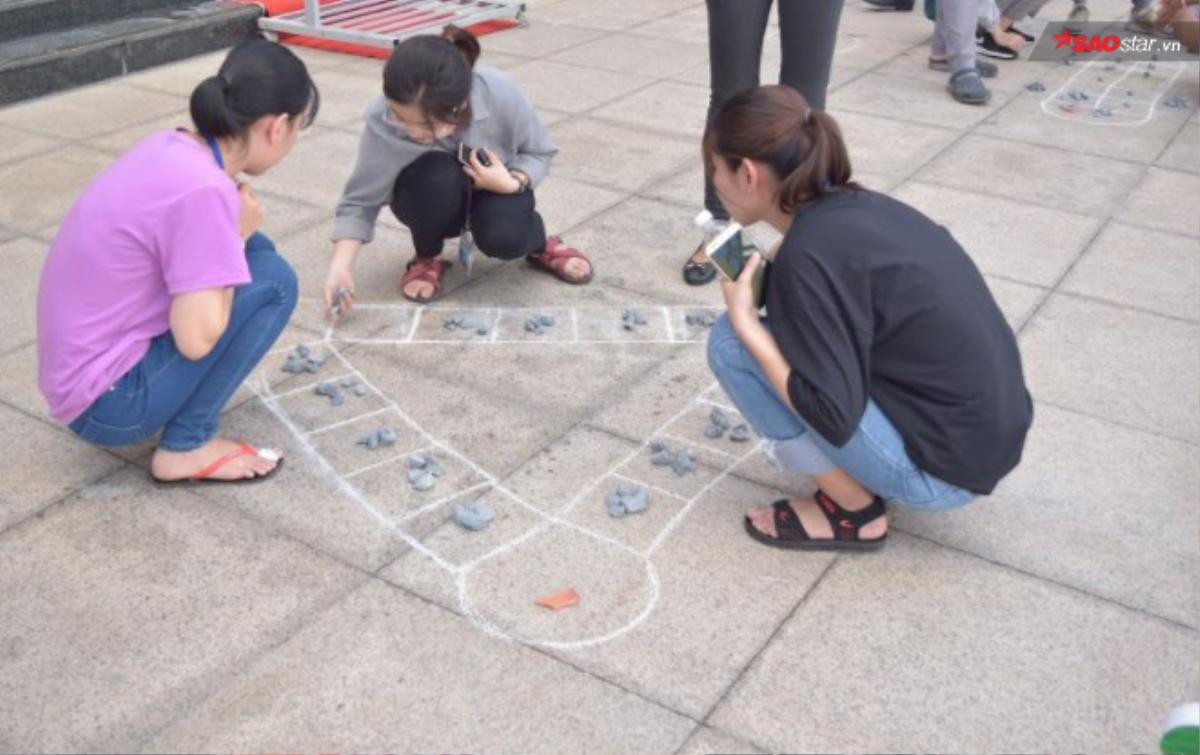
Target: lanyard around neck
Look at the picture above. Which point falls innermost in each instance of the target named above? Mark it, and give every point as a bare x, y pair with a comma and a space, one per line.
212, 144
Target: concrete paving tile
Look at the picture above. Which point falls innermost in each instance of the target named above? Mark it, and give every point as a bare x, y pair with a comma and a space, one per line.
564, 203
919, 100
1072, 512
39, 190
119, 142
536, 40
1184, 151
18, 381
642, 244
631, 54
1036, 175
667, 106
573, 89
1036, 250
1016, 300
345, 96
706, 740
355, 679
498, 430
307, 500
1041, 118
666, 391
119, 606
683, 645
878, 147
689, 25
23, 262
1155, 202
1135, 368
854, 52
936, 651
40, 464
90, 111
15, 144
1155, 271
862, 19
604, 15
609, 154
316, 169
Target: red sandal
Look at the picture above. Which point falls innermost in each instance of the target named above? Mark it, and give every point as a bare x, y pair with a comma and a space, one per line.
205, 476
431, 270
554, 259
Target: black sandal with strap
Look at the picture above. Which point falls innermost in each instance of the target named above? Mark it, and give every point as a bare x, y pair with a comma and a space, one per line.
846, 526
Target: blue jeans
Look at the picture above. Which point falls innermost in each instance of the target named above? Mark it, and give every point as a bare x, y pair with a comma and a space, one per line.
184, 398
874, 455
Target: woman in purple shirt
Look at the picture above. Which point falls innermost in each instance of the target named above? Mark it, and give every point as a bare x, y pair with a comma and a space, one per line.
159, 295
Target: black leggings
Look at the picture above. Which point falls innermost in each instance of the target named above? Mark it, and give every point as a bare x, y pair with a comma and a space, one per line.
807, 37
431, 195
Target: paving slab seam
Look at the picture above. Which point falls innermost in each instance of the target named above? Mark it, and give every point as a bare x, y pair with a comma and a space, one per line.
729, 735
1181, 235
1175, 623
546, 653
244, 665
1120, 423
66, 496
48, 422
729, 688
24, 345
43, 152
1093, 298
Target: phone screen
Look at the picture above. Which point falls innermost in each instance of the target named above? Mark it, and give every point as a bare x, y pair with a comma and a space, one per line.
729, 252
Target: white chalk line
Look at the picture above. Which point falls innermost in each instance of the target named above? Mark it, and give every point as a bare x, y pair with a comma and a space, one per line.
344, 486
385, 462
461, 572
350, 421
1151, 104
653, 488
699, 444
434, 505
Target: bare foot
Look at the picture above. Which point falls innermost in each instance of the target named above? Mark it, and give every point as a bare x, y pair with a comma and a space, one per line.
420, 290
577, 269
1007, 38
815, 523
174, 465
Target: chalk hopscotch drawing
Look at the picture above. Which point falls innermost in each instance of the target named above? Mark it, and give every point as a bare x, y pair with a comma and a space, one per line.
1112, 94
401, 325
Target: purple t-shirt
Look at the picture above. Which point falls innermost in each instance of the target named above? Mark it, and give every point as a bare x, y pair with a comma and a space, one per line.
160, 221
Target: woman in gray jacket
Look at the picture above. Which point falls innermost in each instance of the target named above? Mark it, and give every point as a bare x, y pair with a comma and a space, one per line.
455, 151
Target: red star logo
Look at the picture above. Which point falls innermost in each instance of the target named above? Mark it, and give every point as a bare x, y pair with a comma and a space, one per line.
1064, 37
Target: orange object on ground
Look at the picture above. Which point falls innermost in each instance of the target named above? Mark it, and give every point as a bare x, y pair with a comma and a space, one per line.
279, 7
563, 599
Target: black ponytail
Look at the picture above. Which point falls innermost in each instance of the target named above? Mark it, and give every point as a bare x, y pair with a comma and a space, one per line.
258, 78
434, 73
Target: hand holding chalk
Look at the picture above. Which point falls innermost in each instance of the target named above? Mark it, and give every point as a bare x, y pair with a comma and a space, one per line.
339, 292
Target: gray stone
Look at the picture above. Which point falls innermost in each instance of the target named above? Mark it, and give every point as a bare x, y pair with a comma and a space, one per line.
632, 319
627, 499
700, 319
1036, 86
421, 479
740, 434
473, 515
684, 462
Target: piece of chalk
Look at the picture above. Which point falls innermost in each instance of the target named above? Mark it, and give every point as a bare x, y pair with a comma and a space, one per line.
740, 434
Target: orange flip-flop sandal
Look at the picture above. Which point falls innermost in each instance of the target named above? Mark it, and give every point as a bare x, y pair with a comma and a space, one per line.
205, 476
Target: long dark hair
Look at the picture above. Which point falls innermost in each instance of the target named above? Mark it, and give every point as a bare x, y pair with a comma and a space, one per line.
776, 126
257, 78
434, 73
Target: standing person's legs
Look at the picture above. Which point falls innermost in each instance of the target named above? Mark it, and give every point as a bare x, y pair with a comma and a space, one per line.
735, 39
955, 27
430, 200
807, 38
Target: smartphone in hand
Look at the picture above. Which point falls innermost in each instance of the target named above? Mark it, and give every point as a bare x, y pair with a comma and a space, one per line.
464, 155
729, 251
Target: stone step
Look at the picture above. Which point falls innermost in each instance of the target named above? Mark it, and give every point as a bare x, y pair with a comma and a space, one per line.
64, 57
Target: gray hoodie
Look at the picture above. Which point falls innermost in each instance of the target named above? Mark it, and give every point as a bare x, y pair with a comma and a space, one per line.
502, 119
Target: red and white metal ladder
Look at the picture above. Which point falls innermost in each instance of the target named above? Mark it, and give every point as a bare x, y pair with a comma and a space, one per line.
383, 23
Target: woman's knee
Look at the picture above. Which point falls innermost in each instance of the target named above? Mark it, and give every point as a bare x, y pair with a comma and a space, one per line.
271, 269
433, 175
503, 238
724, 347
